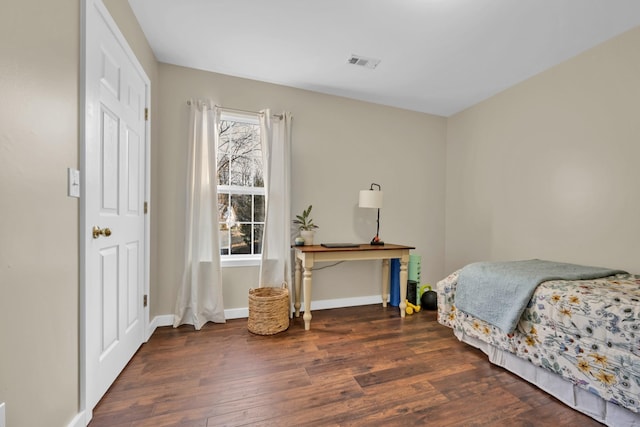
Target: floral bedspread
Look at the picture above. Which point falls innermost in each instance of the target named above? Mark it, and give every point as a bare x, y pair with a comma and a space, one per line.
587, 331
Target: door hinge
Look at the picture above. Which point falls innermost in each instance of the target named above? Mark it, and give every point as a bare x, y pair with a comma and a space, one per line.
145, 301
146, 207
146, 114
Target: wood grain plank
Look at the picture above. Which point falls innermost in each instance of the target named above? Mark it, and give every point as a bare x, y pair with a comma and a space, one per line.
359, 366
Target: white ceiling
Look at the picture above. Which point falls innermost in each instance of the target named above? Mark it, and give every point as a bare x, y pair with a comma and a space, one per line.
438, 56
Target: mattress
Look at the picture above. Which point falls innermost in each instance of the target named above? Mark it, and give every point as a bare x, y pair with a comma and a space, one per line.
585, 331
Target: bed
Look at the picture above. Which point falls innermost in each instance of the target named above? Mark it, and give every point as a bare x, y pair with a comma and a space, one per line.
578, 340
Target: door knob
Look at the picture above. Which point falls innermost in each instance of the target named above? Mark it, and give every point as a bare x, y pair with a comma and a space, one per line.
97, 232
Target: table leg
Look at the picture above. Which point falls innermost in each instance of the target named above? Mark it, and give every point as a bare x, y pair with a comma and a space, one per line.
297, 281
385, 281
307, 296
403, 284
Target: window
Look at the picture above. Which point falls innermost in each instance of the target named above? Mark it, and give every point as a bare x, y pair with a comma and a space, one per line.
241, 196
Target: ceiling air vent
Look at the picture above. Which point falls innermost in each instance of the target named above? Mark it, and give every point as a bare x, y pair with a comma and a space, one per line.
363, 61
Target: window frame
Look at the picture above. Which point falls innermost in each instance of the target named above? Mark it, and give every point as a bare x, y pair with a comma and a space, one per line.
240, 260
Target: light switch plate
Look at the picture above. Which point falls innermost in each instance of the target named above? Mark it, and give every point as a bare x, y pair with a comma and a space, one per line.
2, 415
73, 183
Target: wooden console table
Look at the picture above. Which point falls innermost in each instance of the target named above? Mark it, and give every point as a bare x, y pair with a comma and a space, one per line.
306, 256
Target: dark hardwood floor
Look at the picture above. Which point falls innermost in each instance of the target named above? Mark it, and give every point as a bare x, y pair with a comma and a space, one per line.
360, 366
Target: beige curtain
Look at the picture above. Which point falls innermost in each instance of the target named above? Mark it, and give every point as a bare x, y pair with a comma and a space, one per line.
275, 268
200, 295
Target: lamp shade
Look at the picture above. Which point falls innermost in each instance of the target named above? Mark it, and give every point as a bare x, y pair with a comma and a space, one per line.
370, 199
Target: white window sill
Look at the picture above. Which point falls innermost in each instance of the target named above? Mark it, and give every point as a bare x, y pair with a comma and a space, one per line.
240, 261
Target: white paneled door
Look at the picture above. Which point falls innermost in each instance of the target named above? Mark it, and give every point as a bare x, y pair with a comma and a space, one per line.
115, 152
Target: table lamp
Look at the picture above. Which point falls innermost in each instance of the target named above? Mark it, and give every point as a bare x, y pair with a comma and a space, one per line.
372, 199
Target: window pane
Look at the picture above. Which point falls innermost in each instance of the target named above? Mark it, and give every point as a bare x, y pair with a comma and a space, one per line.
244, 139
224, 132
258, 178
224, 239
257, 239
241, 239
258, 201
223, 169
223, 207
241, 171
241, 207
226, 218
241, 215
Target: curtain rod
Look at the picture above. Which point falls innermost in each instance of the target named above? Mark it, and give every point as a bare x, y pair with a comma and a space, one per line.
237, 110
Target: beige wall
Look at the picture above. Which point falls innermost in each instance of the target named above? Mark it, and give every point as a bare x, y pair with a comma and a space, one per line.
40, 43
528, 172
39, 273
340, 146
549, 168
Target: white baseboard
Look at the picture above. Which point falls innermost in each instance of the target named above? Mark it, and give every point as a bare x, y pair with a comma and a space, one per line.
77, 421
158, 321
236, 313
243, 312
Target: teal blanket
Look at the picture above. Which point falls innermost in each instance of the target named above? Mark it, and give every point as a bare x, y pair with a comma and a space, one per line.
498, 292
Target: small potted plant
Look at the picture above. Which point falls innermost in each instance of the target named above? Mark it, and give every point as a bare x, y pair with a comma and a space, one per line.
306, 226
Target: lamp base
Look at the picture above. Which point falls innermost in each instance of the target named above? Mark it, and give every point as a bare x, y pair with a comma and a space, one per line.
376, 242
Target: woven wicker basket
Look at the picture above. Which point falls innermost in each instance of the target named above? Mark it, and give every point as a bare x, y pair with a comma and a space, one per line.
268, 310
